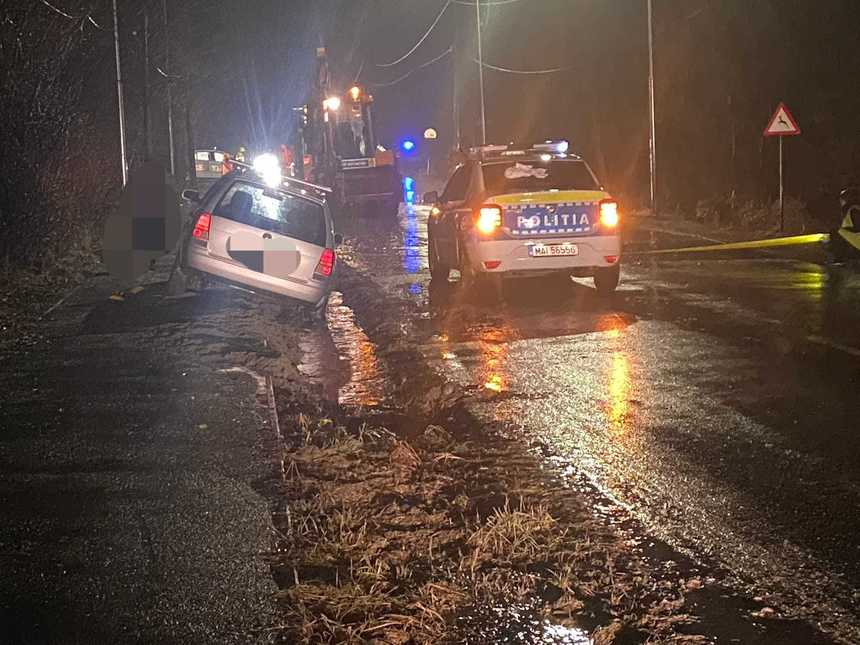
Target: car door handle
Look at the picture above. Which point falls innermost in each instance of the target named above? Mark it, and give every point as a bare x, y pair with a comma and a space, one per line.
267, 236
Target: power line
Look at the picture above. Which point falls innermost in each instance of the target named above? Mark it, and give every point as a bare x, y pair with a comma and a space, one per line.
411, 72
421, 40
358, 73
521, 71
489, 3
60, 11
71, 17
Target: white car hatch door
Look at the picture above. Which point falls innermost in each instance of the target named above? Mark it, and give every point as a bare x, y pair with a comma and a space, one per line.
266, 231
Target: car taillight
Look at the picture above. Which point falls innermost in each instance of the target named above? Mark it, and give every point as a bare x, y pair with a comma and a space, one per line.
489, 219
326, 264
609, 213
201, 228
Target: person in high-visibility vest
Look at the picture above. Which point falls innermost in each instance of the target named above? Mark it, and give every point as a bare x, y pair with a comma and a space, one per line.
240, 154
287, 159
226, 166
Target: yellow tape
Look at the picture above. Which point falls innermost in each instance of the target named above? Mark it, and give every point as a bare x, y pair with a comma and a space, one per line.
812, 238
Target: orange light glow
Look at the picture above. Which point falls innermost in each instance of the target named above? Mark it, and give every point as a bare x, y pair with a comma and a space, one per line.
489, 219
609, 213
495, 382
619, 388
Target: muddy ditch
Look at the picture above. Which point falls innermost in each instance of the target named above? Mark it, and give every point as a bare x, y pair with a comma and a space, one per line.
409, 522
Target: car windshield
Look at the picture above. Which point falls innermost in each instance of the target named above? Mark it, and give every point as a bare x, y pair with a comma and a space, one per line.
534, 176
279, 212
209, 155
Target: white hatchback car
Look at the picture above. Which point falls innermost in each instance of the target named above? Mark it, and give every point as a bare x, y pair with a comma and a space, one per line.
520, 211
278, 240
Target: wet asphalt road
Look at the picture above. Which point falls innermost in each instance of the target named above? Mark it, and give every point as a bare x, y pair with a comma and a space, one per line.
715, 400
132, 443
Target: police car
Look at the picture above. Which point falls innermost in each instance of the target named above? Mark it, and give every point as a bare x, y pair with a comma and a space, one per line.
524, 210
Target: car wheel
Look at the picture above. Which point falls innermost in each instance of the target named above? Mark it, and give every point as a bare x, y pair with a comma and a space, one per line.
438, 270
468, 276
177, 284
606, 279
489, 285
495, 285
319, 310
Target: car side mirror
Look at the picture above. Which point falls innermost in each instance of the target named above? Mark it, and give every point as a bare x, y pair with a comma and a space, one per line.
431, 198
191, 195
338, 239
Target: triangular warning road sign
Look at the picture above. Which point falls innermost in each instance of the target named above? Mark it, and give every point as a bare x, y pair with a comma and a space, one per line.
781, 124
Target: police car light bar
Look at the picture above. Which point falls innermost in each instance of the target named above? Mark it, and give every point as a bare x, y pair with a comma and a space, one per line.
559, 147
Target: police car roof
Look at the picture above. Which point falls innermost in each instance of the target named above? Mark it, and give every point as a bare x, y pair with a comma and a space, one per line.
531, 151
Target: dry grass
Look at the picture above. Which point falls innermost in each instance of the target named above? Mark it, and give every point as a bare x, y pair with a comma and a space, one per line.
390, 541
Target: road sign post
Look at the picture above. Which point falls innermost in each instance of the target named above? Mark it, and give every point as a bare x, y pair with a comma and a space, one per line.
430, 137
781, 191
781, 125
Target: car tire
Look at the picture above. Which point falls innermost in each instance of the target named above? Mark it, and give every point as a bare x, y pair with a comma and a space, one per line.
319, 310
468, 277
495, 284
606, 279
177, 284
489, 285
438, 270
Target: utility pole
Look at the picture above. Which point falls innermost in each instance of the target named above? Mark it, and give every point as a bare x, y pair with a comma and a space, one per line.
169, 92
147, 146
455, 112
189, 136
653, 138
481, 71
119, 97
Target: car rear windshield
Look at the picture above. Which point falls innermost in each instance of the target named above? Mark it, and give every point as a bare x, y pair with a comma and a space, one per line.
275, 211
209, 155
530, 176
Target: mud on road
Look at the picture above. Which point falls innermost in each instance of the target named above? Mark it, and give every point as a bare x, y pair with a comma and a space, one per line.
403, 518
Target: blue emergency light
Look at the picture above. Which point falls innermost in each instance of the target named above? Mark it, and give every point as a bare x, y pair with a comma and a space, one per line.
407, 145
409, 190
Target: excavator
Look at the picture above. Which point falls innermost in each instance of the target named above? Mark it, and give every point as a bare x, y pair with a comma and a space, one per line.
336, 135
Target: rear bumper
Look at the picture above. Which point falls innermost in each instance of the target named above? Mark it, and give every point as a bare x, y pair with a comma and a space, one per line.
311, 293
514, 257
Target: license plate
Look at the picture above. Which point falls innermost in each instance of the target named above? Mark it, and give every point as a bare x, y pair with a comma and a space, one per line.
552, 250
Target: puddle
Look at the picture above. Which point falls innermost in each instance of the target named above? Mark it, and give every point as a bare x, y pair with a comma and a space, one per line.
322, 363
365, 383
513, 623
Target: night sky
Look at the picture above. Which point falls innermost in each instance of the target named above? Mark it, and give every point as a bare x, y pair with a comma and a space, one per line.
722, 66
